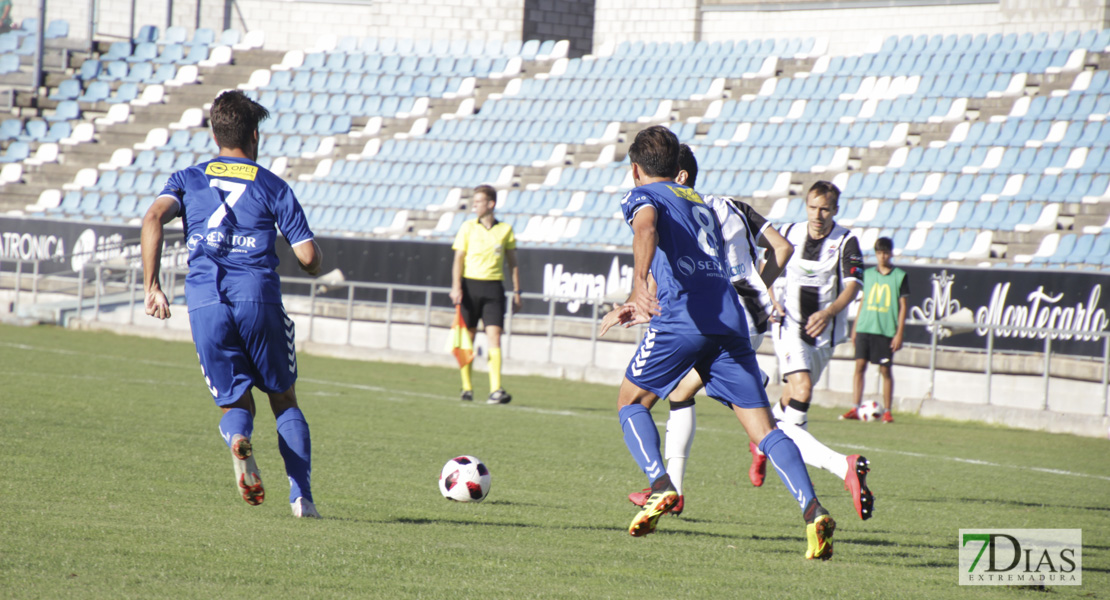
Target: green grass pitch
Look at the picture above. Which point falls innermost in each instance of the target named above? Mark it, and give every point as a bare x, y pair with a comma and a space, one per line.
116, 484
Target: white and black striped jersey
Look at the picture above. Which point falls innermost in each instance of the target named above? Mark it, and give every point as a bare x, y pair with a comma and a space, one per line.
741, 227
815, 276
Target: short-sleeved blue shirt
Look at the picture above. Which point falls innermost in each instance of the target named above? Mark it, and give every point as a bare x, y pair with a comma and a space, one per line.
230, 208
695, 295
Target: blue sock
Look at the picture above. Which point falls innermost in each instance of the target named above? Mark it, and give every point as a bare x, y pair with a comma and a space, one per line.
295, 445
237, 421
787, 460
642, 439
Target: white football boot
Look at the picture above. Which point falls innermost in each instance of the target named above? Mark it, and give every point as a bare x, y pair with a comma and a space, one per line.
247, 479
303, 508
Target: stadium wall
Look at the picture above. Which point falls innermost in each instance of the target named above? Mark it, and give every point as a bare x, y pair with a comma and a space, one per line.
298, 24
966, 298
850, 26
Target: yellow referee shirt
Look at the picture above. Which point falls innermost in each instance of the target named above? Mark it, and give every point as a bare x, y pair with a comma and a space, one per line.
485, 249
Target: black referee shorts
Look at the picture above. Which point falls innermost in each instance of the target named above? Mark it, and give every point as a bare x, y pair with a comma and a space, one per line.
483, 300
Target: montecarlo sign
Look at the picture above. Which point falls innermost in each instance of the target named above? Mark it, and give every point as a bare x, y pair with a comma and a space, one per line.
978, 299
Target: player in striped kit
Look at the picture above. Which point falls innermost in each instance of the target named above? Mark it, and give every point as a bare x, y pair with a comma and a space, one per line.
822, 279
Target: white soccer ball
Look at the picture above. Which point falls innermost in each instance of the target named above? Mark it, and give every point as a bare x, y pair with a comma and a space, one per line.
869, 411
464, 479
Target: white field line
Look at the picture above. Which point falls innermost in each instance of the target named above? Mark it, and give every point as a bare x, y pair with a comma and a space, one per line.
983, 463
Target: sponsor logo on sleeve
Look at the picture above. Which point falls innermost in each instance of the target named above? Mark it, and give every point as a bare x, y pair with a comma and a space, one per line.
237, 171
686, 193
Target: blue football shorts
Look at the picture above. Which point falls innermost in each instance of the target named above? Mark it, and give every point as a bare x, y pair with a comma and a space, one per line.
726, 363
242, 345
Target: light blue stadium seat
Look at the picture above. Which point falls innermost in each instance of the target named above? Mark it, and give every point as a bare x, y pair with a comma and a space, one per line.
147, 33
89, 70
175, 35
124, 182
69, 89
11, 129
1100, 249
1063, 249
125, 93
34, 131
271, 144
1045, 188
161, 75
114, 71
1014, 214
203, 36
139, 73
183, 161
70, 202
196, 54
201, 141
143, 52
230, 37
179, 141
332, 62
117, 51
89, 203
107, 181
1079, 251
896, 215
58, 28
529, 49
172, 54
67, 110
945, 245
128, 206
108, 205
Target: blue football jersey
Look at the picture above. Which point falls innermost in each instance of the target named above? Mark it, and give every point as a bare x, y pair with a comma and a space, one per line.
229, 208
695, 295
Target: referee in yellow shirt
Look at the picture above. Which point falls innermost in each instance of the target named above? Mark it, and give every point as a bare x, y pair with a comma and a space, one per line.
484, 247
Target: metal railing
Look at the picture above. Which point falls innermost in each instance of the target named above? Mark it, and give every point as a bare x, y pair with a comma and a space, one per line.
103, 278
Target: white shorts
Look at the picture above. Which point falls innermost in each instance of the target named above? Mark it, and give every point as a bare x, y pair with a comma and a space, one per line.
795, 355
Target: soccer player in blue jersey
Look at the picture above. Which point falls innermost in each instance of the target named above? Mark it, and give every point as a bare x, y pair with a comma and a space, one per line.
695, 322
231, 210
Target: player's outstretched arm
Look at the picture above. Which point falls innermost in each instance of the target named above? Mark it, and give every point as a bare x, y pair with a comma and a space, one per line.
161, 212
309, 256
644, 241
820, 319
781, 251
623, 314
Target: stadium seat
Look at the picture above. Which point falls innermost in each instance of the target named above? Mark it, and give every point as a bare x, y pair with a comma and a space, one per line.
69, 89
16, 152
66, 110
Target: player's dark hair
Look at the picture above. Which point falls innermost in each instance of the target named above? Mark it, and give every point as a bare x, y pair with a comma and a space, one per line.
689, 163
488, 191
235, 118
826, 189
656, 151
884, 244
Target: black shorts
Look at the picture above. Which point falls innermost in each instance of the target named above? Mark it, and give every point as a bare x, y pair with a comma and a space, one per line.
483, 300
874, 348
